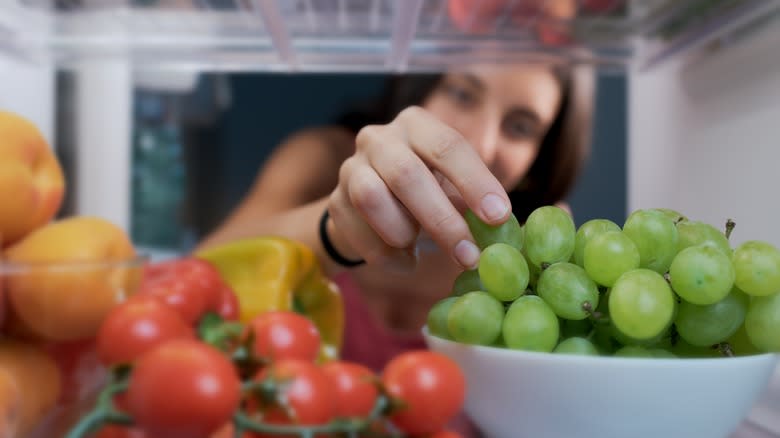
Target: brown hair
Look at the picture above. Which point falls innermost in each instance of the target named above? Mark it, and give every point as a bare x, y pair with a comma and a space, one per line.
563, 150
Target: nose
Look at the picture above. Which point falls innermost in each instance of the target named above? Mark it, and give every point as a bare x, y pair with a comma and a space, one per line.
485, 135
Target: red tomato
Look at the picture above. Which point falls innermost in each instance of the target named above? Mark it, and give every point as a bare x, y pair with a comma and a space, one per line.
431, 386
306, 389
114, 431
136, 326
228, 307
183, 389
355, 388
284, 335
189, 285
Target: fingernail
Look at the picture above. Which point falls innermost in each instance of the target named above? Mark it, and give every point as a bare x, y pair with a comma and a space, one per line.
467, 254
494, 207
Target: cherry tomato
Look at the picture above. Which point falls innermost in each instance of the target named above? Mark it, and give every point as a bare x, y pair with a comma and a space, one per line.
136, 326
284, 335
355, 388
189, 285
228, 307
182, 389
305, 389
431, 386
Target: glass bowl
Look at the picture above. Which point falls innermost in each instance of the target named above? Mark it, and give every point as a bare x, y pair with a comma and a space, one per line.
50, 314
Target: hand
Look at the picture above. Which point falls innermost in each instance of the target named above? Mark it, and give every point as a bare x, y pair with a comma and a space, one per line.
408, 175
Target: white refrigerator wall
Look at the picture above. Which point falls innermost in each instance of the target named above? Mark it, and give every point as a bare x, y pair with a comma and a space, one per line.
704, 138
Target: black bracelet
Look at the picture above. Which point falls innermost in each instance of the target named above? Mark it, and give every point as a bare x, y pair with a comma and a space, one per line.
330, 249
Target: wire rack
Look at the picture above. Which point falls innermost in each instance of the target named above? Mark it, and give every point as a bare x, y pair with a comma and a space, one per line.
367, 35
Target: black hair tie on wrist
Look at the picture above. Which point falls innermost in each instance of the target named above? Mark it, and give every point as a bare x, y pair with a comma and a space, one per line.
330, 249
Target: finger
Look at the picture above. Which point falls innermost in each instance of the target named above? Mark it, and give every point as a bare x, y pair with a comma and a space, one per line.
380, 209
410, 180
445, 150
349, 225
451, 191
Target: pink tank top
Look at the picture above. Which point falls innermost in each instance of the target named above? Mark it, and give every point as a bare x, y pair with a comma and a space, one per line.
367, 342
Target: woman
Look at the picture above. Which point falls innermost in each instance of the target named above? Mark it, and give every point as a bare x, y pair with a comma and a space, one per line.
380, 199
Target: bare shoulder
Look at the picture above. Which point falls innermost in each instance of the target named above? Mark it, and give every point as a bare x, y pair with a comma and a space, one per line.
303, 168
332, 140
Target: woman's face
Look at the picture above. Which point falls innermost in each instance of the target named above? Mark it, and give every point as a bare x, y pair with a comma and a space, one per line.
504, 112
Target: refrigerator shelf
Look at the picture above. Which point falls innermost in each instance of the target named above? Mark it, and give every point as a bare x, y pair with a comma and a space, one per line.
367, 35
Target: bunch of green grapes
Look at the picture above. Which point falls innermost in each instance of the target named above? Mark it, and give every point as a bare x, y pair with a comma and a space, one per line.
661, 285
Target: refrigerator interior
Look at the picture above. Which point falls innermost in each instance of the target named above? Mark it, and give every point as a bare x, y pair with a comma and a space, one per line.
704, 80
704, 138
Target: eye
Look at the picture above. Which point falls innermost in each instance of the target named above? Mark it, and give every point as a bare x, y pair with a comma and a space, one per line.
460, 95
519, 128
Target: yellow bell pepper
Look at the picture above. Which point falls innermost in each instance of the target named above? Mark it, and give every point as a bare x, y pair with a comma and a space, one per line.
275, 273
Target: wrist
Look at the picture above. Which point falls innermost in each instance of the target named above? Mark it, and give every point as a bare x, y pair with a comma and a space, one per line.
335, 245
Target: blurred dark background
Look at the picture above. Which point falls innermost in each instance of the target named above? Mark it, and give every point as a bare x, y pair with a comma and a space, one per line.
196, 154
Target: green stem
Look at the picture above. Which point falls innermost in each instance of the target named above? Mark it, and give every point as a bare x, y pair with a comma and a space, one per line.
243, 422
730, 224
217, 332
104, 412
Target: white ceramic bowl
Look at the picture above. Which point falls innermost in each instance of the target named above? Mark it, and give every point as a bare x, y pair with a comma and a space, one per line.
518, 394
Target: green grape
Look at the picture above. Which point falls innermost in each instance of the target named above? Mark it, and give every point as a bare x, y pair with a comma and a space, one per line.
568, 290
577, 345
708, 325
485, 234
575, 328
499, 342
655, 236
643, 352
530, 324
603, 340
757, 268
588, 231
683, 349
609, 255
475, 318
658, 340
641, 304
702, 275
699, 233
762, 323
740, 343
438, 316
467, 281
503, 271
674, 215
549, 236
